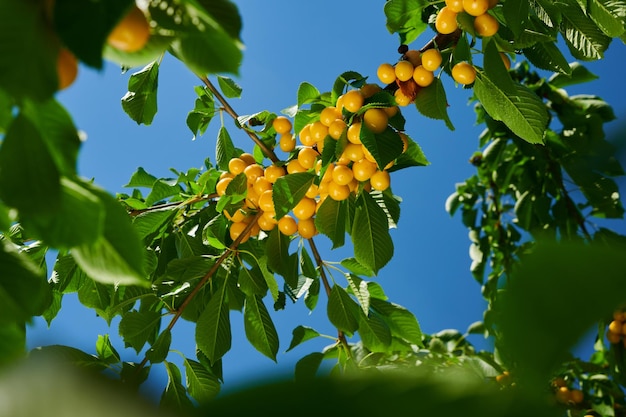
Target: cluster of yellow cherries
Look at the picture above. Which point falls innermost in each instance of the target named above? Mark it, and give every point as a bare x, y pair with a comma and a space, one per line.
484, 23
354, 169
617, 328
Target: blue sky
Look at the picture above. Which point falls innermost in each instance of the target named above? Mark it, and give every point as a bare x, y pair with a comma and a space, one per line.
289, 42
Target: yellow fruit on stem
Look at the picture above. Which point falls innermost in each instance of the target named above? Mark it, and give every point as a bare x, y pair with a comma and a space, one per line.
475, 7
464, 73
287, 225
380, 180
455, 5
67, 68
281, 125
486, 25
423, 77
132, 33
305, 208
306, 228
376, 120
404, 70
353, 101
386, 73
445, 22
431, 59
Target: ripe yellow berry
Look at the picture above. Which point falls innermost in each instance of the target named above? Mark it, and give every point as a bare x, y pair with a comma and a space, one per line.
423, 77
486, 25
431, 59
464, 73
353, 101
354, 133
221, 185
266, 201
266, 221
67, 68
306, 228
261, 184
237, 216
273, 172
353, 152
475, 7
404, 70
391, 111
576, 396
287, 225
236, 229
329, 115
363, 169
402, 99
342, 175
455, 5
132, 33
253, 172
405, 142
376, 120
368, 90
506, 60
613, 337
335, 130
305, 208
307, 157
247, 158
305, 136
338, 192
445, 22
236, 166
287, 143
281, 125
380, 180
294, 166
313, 191
386, 73
318, 131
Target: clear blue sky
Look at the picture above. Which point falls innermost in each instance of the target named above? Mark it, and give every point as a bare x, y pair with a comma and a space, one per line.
288, 42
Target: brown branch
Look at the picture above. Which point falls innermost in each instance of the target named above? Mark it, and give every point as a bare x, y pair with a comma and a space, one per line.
227, 107
179, 311
320, 264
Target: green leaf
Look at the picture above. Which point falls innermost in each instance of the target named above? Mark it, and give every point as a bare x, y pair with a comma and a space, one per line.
157, 45
79, 207
359, 289
259, 327
188, 268
348, 78
208, 36
105, 350
153, 222
566, 303
307, 93
356, 268
301, 334
342, 311
69, 355
201, 383
277, 252
97, 296
213, 335
160, 348
578, 74
252, 282
515, 13
384, 147
229, 87
546, 55
174, 396
86, 36
412, 157
307, 367
583, 38
141, 178
401, 321
140, 102
270, 279
117, 257
139, 327
28, 50
224, 149
523, 112
12, 343
404, 17
431, 101
39, 178
330, 220
199, 118
374, 333
289, 190
24, 291
609, 15
373, 246
495, 69
162, 189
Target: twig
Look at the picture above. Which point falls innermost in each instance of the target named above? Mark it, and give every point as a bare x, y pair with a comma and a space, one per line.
179, 311
227, 107
320, 264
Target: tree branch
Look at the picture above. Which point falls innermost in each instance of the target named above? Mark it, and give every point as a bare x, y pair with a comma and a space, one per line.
267, 151
320, 265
